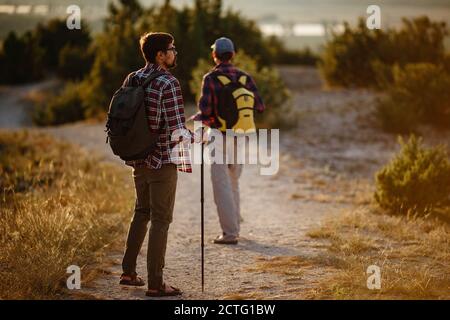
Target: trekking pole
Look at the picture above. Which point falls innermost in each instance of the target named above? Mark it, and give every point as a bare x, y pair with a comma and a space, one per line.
202, 201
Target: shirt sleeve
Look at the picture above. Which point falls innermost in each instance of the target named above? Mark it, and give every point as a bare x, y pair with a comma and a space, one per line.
206, 101
259, 104
173, 109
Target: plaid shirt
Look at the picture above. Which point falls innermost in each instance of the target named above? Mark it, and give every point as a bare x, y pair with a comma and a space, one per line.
210, 93
165, 114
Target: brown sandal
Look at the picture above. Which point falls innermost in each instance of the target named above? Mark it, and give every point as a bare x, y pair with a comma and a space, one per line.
131, 280
162, 292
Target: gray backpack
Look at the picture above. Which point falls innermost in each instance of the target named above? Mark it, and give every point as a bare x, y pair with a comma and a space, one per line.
127, 127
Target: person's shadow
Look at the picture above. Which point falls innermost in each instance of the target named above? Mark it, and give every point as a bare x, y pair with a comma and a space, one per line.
265, 248
139, 294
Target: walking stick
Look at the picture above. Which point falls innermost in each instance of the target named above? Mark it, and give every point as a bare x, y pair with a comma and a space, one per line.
202, 201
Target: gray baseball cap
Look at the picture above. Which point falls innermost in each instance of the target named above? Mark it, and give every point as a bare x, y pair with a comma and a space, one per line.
223, 45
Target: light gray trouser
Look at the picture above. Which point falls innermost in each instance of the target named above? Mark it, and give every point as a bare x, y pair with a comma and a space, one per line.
225, 183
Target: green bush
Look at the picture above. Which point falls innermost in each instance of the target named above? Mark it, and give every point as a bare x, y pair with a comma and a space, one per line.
115, 57
346, 59
62, 108
419, 94
279, 111
416, 181
396, 116
29, 57
20, 59
74, 62
53, 36
350, 59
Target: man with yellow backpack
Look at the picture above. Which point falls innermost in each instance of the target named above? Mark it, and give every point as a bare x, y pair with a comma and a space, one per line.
228, 101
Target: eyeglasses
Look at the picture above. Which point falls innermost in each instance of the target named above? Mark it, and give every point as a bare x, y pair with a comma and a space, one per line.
172, 49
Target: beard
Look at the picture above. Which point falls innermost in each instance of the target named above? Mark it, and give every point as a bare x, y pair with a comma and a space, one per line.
173, 64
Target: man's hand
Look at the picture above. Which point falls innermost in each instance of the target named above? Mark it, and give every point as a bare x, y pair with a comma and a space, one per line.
198, 138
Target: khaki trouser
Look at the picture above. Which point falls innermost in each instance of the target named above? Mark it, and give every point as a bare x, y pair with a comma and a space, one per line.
225, 183
155, 199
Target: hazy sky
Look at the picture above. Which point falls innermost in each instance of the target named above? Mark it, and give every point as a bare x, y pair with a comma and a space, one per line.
271, 14
304, 11
301, 11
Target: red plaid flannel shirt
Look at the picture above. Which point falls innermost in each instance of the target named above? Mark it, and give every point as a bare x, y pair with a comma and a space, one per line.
165, 113
211, 89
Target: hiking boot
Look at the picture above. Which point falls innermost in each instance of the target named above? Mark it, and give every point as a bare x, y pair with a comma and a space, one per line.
225, 239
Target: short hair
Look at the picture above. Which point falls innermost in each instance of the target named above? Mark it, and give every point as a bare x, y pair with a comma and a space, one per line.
224, 57
153, 42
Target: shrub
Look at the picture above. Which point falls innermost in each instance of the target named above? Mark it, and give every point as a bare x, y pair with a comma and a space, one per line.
115, 57
30, 56
419, 94
53, 36
62, 108
417, 180
20, 59
276, 96
74, 62
396, 115
348, 59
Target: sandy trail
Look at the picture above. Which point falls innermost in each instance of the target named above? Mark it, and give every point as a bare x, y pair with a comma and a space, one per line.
13, 108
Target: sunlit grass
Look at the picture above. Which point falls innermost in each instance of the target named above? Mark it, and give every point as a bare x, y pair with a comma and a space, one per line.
284, 265
413, 254
59, 206
331, 189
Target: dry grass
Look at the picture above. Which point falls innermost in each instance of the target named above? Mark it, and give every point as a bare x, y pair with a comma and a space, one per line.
413, 254
59, 206
289, 266
325, 187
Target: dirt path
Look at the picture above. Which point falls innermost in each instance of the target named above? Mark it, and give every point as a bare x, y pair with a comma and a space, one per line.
13, 109
326, 166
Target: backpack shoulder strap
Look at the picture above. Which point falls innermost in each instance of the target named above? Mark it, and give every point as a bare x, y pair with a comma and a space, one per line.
222, 78
243, 79
151, 77
128, 79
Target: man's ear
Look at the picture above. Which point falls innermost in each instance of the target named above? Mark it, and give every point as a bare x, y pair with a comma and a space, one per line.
159, 55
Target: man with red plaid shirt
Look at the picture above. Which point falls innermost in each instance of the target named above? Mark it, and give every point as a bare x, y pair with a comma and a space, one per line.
225, 177
155, 177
